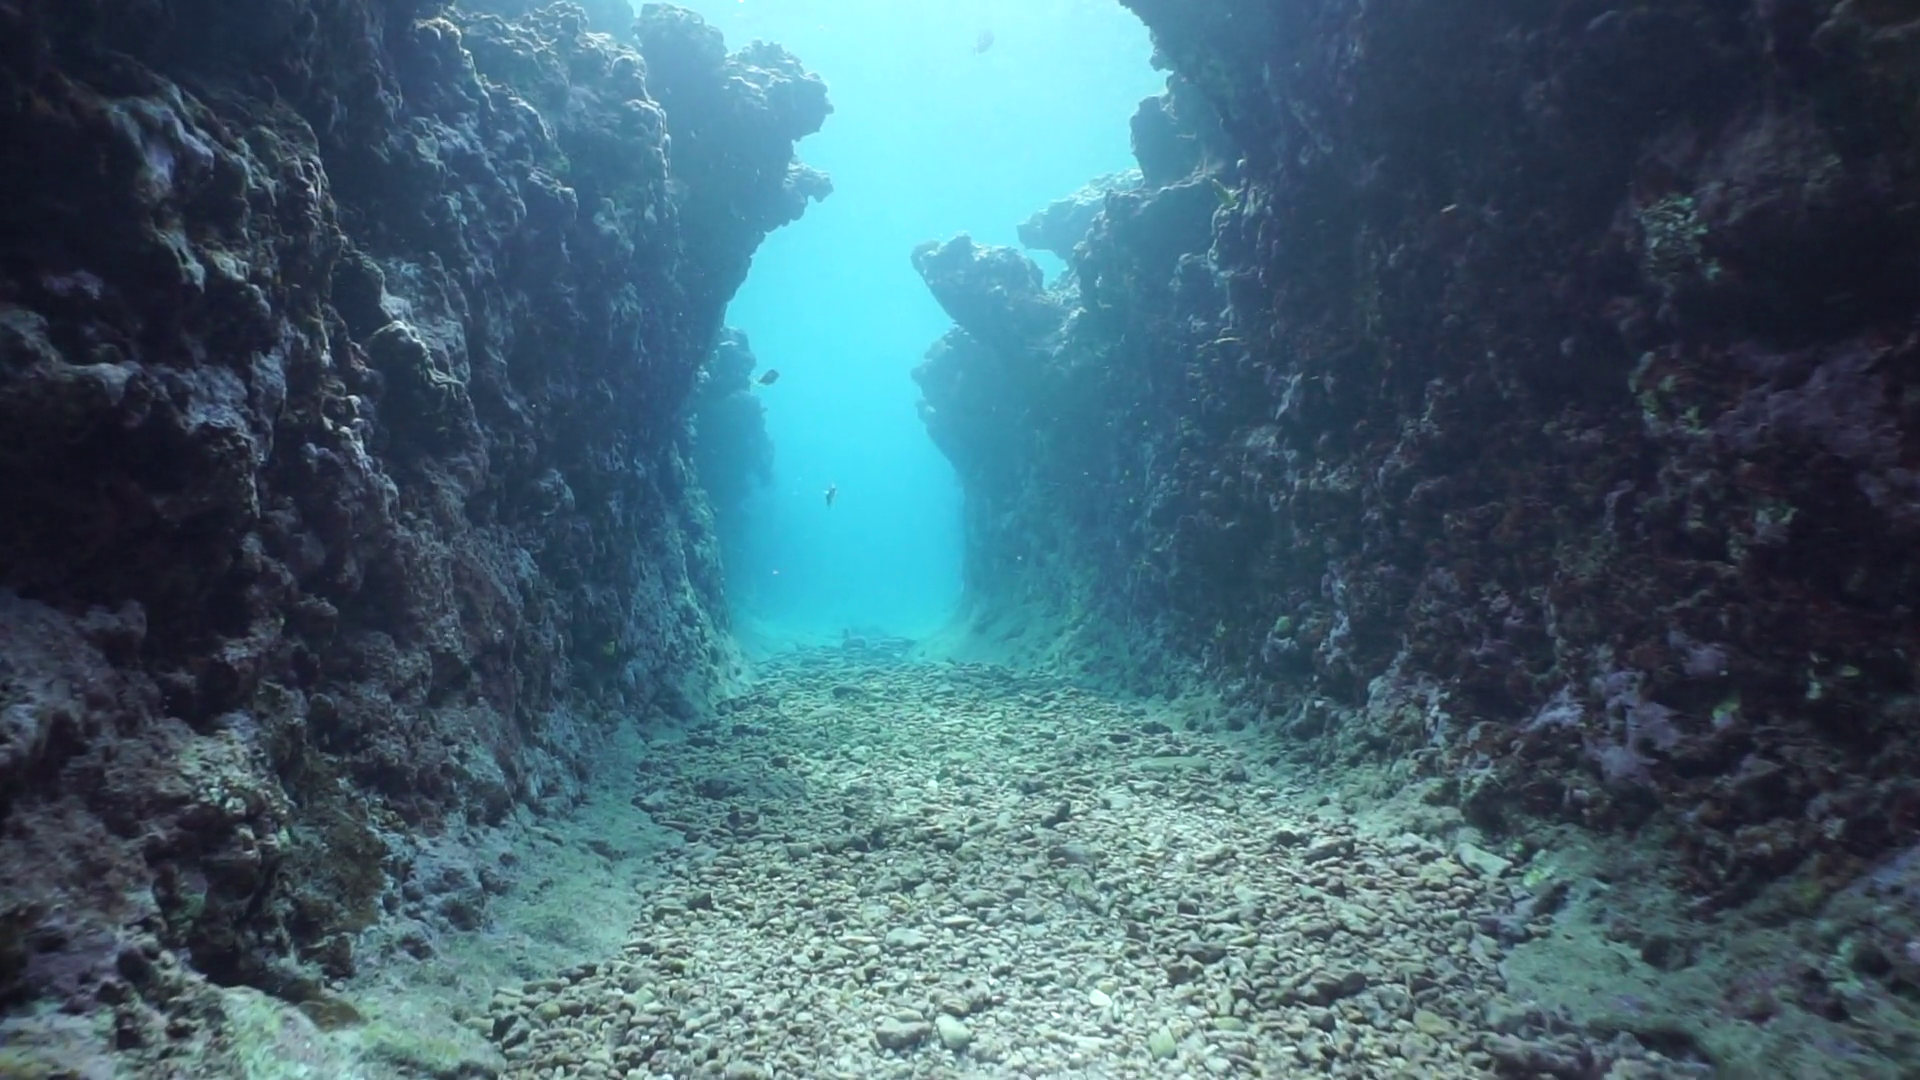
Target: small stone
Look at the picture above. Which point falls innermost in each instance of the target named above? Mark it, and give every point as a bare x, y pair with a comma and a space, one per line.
894, 1033
1214, 856
1072, 854
1161, 1044
1480, 861
905, 939
1330, 848
1504, 1017
548, 1011
1329, 988
954, 1034
331, 1013
1206, 952
1099, 998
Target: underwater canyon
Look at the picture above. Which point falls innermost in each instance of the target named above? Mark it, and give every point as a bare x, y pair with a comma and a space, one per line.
1439, 560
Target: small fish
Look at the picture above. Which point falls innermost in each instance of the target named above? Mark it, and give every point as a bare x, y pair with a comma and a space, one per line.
769, 377
1225, 194
832, 490
983, 42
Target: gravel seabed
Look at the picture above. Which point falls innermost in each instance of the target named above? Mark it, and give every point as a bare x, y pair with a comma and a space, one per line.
955, 871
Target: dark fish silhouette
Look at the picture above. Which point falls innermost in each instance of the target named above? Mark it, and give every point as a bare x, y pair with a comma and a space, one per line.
983, 42
769, 378
832, 490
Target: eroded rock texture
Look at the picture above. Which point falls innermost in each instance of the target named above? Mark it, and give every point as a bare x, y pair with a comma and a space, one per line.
1528, 396
345, 496
732, 453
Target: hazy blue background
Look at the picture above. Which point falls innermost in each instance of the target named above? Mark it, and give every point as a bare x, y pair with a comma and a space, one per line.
928, 139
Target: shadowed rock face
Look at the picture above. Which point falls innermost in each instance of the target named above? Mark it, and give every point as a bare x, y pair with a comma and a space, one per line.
344, 482
1532, 403
732, 453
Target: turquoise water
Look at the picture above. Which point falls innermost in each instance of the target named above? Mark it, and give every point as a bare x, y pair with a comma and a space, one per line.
929, 137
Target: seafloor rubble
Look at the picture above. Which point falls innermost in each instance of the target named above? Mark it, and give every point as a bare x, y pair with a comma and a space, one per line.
345, 490
1517, 400
878, 869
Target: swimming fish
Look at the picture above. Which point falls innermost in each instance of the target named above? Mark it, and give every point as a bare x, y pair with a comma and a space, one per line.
1225, 194
770, 377
832, 490
983, 42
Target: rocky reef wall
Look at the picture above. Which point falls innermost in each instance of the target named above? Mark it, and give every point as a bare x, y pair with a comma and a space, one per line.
732, 452
1520, 394
345, 489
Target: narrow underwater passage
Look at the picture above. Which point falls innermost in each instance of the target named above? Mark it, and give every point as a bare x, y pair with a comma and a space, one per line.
947, 118
1445, 512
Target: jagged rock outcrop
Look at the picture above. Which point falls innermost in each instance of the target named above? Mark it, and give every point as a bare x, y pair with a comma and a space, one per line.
1530, 404
1064, 223
345, 502
736, 117
994, 294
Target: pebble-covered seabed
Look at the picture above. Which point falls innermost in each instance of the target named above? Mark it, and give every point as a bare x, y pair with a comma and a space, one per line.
955, 871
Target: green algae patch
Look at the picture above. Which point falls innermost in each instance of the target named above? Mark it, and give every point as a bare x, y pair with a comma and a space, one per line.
20, 1063
264, 1038
439, 1051
40, 1043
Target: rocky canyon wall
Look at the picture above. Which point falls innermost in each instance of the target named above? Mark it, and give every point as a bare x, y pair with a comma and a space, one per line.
1520, 394
346, 501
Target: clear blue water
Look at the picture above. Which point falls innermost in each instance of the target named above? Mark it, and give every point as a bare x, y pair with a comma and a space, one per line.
929, 138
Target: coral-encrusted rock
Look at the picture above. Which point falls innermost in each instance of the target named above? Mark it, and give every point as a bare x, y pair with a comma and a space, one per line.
1064, 223
1177, 134
344, 492
994, 293
735, 119
977, 379
963, 385
120, 815
1533, 393
1140, 239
